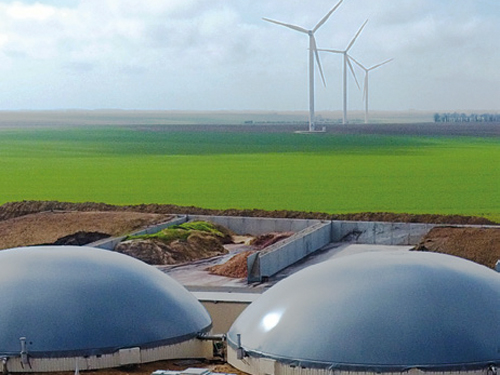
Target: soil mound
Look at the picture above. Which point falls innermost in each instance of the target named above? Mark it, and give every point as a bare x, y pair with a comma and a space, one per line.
156, 252
235, 267
178, 244
269, 239
481, 245
81, 238
49, 227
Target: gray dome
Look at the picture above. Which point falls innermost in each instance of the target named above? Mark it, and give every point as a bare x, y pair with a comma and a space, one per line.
84, 301
378, 311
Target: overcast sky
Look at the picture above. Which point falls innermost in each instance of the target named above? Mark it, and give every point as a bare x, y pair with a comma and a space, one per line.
221, 55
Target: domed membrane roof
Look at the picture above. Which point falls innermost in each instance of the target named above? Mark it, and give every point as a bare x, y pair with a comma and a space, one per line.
383, 311
85, 301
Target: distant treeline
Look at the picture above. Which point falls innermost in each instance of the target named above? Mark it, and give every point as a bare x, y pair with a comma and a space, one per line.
462, 117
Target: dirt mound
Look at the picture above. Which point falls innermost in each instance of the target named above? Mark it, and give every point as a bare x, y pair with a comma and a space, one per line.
481, 245
235, 267
15, 209
269, 239
159, 251
48, 227
80, 238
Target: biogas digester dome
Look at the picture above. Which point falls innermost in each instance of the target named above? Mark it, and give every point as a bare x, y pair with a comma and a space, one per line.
375, 312
81, 301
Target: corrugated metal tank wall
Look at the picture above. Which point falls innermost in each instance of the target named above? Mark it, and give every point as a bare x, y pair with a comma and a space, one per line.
266, 366
190, 349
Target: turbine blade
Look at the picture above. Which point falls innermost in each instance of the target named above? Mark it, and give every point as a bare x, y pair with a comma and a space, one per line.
356, 36
325, 18
329, 50
352, 70
313, 40
297, 28
376, 66
357, 63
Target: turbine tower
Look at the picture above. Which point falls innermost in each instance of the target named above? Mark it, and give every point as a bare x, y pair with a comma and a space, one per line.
313, 54
347, 62
365, 89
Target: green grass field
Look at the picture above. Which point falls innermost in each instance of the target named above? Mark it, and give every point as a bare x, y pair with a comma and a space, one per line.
327, 173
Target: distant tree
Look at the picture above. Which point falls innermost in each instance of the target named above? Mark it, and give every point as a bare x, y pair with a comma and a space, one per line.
463, 117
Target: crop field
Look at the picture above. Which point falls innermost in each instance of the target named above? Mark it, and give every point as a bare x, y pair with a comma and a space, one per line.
333, 172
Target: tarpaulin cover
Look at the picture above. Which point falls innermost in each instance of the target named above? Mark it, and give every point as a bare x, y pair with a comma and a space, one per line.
80, 300
378, 311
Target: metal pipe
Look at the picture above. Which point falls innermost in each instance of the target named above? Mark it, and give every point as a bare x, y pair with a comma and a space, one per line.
240, 352
218, 337
24, 351
5, 370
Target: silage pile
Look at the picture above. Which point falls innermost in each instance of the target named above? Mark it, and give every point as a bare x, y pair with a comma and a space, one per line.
178, 244
72, 228
236, 266
481, 245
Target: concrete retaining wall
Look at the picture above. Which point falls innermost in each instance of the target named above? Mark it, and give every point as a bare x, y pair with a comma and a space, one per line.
256, 226
379, 233
110, 243
279, 256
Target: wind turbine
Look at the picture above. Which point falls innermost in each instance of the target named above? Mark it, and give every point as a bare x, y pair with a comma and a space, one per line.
347, 62
313, 53
365, 89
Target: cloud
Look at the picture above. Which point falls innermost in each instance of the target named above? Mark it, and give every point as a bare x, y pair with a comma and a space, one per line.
195, 54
